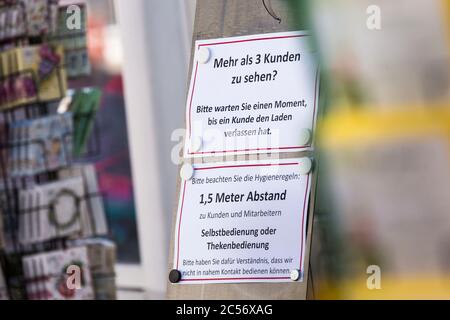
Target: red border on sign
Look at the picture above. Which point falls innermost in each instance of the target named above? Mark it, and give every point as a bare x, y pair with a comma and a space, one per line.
256, 149
243, 278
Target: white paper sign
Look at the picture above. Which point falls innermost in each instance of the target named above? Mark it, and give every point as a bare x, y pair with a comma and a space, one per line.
242, 222
252, 94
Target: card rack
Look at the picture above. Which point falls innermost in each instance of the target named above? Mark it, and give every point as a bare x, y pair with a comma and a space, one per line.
25, 37
10, 186
11, 258
36, 100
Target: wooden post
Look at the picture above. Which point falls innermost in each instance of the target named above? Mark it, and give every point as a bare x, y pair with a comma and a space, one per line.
227, 18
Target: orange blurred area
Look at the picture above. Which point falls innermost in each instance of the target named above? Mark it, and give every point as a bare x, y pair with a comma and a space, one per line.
95, 39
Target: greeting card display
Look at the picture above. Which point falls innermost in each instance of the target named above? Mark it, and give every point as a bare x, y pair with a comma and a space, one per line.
66, 208
27, 18
102, 258
31, 74
84, 106
47, 275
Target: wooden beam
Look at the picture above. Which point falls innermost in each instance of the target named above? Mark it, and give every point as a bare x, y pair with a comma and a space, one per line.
227, 18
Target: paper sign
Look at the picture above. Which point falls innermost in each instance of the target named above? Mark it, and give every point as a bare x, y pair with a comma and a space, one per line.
242, 222
252, 94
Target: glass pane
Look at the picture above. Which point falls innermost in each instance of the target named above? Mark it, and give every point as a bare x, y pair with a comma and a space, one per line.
111, 153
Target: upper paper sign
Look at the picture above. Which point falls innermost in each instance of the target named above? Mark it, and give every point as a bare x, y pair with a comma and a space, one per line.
252, 94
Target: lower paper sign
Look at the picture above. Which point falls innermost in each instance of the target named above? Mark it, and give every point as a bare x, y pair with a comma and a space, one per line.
242, 222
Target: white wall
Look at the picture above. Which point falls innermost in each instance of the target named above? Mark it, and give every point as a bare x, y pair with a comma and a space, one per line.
156, 39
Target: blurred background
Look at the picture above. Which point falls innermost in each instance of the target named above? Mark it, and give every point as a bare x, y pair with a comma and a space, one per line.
384, 205
139, 52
